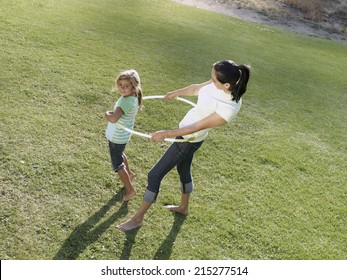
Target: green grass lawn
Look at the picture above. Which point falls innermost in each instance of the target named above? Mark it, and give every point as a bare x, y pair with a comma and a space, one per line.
271, 185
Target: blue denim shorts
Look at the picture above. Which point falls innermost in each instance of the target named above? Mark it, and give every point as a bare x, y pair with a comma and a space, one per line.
116, 153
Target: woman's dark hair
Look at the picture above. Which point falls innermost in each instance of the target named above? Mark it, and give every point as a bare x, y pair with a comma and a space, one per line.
227, 71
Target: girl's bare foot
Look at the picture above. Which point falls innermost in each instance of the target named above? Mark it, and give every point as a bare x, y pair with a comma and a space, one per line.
130, 225
177, 209
129, 196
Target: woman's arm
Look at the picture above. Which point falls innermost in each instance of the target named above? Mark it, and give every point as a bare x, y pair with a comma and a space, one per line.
212, 120
187, 91
113, 117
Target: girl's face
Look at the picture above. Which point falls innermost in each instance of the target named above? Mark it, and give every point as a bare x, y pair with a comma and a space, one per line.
125, 88
218, 84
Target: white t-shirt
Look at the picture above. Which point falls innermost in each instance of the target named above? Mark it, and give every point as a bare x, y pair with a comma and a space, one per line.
211, 100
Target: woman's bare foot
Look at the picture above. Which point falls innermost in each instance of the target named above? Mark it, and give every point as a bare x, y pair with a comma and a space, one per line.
129, 196
177, 209
130, 225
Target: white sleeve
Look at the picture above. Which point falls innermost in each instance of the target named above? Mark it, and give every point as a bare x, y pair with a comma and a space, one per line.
228, 111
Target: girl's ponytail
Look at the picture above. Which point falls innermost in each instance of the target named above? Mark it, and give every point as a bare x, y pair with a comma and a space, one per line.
140, 97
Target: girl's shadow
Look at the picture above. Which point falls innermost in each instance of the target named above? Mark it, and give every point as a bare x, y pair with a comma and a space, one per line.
86, 234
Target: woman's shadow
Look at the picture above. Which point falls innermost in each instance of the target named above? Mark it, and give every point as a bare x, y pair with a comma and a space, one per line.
165, 250
86, 233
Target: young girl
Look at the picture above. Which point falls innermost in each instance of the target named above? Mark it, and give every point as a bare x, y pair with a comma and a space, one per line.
129, 87
219, 101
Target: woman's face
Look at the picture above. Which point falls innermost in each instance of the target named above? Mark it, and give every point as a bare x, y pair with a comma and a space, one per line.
218, 84
125, 88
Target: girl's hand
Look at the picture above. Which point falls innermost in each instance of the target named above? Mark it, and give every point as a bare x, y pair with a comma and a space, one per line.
113, 117
108, 114
159, 136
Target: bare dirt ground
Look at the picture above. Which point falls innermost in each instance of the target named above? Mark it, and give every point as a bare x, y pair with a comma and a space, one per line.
276, 13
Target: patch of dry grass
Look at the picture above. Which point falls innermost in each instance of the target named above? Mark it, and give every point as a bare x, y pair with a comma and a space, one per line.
330, 15
316, 10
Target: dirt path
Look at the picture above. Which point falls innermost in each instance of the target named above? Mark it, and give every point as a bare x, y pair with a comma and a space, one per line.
292, 24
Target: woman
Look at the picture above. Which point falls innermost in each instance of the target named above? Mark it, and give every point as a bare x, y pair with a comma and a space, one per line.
219, 101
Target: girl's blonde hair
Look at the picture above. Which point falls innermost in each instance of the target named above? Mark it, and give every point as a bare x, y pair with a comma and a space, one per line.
132, 76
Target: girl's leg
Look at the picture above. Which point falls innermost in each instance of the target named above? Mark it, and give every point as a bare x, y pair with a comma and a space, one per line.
131, 174
126, 180
121, 166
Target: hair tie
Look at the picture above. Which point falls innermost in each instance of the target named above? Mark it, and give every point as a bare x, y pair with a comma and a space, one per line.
239, 77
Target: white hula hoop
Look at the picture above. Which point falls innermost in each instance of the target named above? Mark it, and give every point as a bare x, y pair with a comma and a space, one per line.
149, 136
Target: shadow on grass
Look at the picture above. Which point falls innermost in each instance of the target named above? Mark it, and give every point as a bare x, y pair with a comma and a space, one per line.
86, 234
128, 244
165, 249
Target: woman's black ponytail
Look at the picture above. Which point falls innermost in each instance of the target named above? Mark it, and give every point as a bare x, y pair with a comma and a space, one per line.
241, 85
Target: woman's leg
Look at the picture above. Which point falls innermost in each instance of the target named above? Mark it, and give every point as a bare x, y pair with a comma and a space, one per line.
137, 220
176, 153
186, 180
183, 207
167, 162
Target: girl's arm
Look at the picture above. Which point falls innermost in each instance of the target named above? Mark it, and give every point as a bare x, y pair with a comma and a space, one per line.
212, 120
113, 117
187, 91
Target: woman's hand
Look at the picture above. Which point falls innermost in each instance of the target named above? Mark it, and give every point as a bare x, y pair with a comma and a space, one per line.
159, 136
213, 120
187, 91
171, 95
